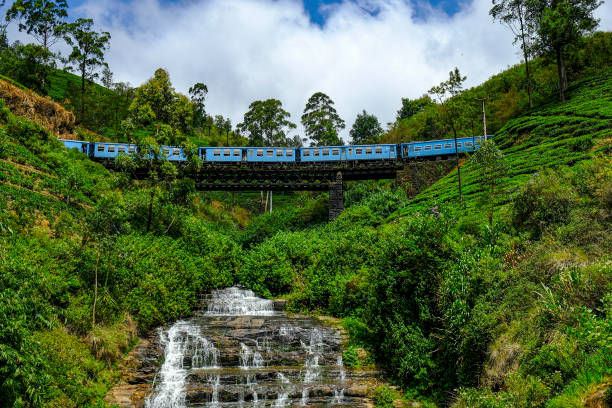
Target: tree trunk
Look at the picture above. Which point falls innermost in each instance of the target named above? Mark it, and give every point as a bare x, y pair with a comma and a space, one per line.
150, 215
562, 73
93, 318
82, 93
525, 56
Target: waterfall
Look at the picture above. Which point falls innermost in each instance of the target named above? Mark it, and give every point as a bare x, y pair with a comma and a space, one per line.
239, 353
238, 302
250, 359
180, 341
339, 393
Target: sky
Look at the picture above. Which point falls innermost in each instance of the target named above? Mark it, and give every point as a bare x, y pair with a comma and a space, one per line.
364, 54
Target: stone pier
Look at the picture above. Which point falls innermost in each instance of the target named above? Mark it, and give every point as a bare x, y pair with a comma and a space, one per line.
336, 197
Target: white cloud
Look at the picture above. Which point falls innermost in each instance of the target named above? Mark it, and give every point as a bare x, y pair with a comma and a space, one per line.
246, 50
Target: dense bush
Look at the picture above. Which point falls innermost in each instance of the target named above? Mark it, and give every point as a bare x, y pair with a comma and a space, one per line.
545, 200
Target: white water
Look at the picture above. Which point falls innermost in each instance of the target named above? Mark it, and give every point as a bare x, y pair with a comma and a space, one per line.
180, 339
186, 349
238, 302
339, 394
214, 381
250, 358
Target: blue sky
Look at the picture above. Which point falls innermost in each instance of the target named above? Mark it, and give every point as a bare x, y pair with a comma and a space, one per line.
315, 8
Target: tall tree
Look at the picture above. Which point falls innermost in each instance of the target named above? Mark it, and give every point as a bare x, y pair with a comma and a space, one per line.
157, 104
224, 126
88, 49
42, 19
561, 23
266, 123
514, 14
366, 129
411, 107
321, 121
452, 105
198, 94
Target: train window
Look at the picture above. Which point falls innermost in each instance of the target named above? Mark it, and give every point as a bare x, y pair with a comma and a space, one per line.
131, 149
269, 153
260, 152
120, 149
279, 153
325, 152
166, 151
237, 152
448, 145
111, 149
418, 148
368, 150
217, 152
289, 153
316, 152
438, 147
378, 150
358, 150
305, 153
459, 145
335, 152
468, 144
100, 148
427, 147
227, 152
350, 151
176, 152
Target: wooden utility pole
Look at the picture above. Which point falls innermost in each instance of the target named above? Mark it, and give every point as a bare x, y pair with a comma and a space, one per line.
484, 116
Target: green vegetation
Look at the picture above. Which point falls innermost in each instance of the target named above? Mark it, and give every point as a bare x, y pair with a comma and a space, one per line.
498, 294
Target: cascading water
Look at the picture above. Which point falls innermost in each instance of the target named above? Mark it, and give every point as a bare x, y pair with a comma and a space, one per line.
180, 341
241, 352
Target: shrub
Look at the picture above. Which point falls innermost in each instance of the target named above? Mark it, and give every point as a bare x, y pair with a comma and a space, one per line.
384, 396
543, 201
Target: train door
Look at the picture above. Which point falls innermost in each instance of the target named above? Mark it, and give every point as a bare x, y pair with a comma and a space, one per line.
244, 155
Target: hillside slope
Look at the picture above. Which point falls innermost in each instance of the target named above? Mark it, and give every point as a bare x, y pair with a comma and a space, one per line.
553, 135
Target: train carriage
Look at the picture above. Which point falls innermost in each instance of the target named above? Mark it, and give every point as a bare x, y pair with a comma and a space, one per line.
271, 154
433, 148
344, 153
221, 154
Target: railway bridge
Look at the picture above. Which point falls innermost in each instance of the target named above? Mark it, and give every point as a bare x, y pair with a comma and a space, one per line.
329, 177
319, 168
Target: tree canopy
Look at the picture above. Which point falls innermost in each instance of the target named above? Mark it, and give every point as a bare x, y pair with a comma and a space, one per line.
88, 49
157, 104
42, 19
267, 124
560, 24
321, 121
411, 107
366, 129
198, 94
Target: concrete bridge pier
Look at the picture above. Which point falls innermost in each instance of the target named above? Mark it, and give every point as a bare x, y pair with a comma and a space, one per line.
336, 197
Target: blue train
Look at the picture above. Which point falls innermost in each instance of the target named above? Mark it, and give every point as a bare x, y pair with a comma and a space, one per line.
430, 149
